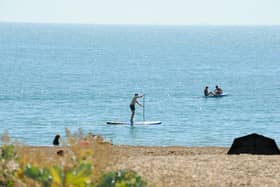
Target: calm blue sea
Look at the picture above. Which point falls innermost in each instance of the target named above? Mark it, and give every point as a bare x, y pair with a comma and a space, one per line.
55, 76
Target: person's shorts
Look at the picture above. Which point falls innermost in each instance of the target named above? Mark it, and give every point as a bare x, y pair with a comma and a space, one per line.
132, 107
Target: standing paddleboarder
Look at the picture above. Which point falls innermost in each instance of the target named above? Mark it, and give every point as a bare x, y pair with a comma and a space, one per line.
132, 106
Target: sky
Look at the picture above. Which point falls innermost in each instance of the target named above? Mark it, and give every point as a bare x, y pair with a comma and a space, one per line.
162, 12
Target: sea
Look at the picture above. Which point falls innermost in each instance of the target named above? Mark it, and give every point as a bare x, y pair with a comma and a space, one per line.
58, 76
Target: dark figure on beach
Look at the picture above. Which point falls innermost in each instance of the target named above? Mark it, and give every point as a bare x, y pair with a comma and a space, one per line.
56, 140
218, 91
207, 93
132, 105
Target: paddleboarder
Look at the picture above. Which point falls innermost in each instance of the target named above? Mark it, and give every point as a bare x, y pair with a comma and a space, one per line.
132, 105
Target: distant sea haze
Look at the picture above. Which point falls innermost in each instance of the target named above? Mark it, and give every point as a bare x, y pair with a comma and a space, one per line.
55, 76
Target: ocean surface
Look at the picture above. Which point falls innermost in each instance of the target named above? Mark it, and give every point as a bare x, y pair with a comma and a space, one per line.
56, 76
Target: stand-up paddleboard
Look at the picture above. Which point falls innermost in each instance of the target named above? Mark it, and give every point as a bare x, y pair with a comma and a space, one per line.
137, 122
134, 123
216, 96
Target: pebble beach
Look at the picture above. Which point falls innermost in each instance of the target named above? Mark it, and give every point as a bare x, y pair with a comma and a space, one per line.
193, 166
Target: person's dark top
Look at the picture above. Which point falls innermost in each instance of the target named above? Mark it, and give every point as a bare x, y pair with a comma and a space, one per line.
56, 140
206, 92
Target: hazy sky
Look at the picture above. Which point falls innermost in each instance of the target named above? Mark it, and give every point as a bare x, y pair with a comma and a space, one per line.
217, 12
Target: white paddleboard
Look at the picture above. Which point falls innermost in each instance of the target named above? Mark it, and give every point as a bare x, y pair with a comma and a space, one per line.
135, 123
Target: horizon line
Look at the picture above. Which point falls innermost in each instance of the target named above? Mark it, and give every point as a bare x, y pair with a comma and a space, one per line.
137, 24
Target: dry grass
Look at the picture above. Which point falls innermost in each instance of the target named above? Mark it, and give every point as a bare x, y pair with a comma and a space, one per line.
87, 148
78, 148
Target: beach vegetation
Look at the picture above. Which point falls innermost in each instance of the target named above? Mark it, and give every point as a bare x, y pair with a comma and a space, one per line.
122, 178
56, 176
81, 161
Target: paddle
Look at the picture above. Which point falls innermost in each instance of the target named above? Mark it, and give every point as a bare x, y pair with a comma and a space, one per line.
143, 107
